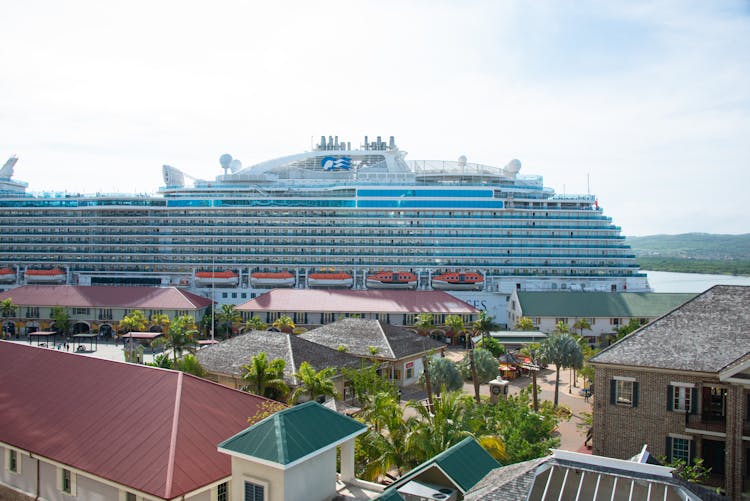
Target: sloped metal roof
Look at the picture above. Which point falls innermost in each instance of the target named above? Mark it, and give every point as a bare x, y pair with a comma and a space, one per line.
293, 434
600, 304
358, 301
101, 296
152, 430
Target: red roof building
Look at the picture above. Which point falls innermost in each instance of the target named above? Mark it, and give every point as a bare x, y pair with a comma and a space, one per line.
115, 428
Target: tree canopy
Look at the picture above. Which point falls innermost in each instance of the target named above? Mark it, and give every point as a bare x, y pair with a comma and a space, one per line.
525, 324
313, 383
135, 321
444, 375
264, 377
486, 366
562, 350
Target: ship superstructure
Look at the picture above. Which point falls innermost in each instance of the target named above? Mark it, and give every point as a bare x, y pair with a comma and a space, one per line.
330, 217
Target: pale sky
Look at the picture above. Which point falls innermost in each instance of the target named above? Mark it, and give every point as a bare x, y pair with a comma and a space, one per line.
650, 100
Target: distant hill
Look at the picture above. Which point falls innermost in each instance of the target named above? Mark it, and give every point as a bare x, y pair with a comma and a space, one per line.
693, 253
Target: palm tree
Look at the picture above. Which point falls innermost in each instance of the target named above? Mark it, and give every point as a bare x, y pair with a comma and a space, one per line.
61, 318
180, 337
228, 315
7, 308
455, 326
313, 383
190, 365
562, 350
385, 446
533, 350
484, 324
581, 324
255, 324
265, 378
285, 324
444, 375
424, 324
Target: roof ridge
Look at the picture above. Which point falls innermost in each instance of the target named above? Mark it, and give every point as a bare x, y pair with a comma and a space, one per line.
173, 437
279, 428
291, 357
385, 336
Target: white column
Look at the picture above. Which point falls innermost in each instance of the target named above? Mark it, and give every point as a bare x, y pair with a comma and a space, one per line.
347, 461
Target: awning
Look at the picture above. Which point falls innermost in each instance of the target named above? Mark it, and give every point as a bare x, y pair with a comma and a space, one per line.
143, 335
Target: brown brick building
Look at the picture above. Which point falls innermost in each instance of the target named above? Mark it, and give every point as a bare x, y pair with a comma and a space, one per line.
682, 385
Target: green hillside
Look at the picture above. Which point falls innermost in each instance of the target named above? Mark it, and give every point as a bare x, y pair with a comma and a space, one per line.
693, 253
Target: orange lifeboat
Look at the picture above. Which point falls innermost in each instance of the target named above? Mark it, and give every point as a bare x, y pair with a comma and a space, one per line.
53, 276
392, 280
7, 275
272, 279
218, 278
458, 281
330, 280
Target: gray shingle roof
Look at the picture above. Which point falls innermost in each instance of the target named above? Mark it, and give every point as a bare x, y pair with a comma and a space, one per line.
358, 334
229, 356
600, 304
508, 483
706, 334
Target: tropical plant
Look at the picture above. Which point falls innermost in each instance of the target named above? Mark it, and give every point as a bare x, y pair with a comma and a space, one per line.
695, 472
255, 324
342, 348
160, 320
581, 325
485, 364
492, 345
534, 352
162, 361
525, 324
562, 350
228, 315
367, 381
632, 325
484, 324
7, 308
313, 383
444, 375
284, 324
135, 321
180, 337
455, 326
424, 323
264, 377
61, 318
190, 365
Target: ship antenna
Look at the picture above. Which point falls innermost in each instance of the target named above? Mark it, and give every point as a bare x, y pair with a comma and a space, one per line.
588, 183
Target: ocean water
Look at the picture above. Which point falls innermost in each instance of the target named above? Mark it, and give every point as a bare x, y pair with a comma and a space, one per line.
665, 281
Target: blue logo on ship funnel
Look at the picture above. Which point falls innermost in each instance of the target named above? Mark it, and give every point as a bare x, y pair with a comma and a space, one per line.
333, 163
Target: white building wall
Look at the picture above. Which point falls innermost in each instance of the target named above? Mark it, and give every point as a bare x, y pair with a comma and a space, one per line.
314, 479
25, 481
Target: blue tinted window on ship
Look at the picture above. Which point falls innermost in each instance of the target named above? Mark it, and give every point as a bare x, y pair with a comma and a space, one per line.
426, 193
438, 204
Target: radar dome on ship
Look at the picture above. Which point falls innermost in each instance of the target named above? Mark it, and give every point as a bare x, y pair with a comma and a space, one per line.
513, 167
462, 161
173, 177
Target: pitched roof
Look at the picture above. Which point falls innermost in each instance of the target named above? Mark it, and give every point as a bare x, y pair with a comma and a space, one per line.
153, 430
466, 463
290, 435
507, 483
359, 334
599, 304
228, 357
706, 334
101, 296
358, 301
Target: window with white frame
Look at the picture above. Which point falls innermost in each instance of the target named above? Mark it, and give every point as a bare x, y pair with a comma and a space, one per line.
13, 461
254, 492
682, 395
681, 449
66, 481
624, 392
222, 492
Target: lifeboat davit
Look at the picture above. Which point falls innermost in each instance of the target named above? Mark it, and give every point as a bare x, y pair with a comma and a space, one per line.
272, 279
217, 278
458, 281
392, 280
53, 276
330, 280
7, 275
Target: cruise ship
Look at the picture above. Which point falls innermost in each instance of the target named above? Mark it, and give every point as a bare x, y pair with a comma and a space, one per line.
336, 216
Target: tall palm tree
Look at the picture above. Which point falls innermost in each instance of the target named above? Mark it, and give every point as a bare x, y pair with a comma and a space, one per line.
228, 314
581, 324
285, 324
180, 337
255, 324
424, 323
533, 351
386, 445
61, 318
484, 324
313, 383
524, 324
562, 350
7, 308
265, 378
455, 325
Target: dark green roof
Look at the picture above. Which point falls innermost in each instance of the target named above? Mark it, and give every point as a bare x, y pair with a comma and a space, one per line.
466, 463
293, 433
600, 304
